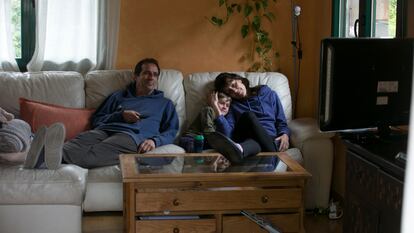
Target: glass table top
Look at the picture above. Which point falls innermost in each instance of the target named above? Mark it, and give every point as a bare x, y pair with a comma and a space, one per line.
192, 168
216, 163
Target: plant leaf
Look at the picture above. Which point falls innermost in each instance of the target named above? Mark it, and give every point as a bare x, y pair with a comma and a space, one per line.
256, 23
244, 30
221, 2
235, 6
229, 10
216, 21
265, 4
247, 9
257, 4
239, 8
269, 15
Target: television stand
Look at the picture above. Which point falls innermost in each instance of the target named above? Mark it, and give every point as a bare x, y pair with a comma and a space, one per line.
374, 186
384, 135
388, 133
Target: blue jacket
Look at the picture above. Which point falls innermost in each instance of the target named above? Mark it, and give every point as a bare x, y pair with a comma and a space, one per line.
267, 108
159, 118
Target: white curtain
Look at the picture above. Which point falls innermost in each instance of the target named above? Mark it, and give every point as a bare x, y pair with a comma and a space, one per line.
7, 54
77, 35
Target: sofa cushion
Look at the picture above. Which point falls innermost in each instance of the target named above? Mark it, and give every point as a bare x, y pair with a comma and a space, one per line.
197, 86
37, 114
101, 83
54, 87
65, 185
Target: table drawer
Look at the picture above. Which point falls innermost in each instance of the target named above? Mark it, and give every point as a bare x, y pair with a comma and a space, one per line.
284, 222
218, 200
176, 226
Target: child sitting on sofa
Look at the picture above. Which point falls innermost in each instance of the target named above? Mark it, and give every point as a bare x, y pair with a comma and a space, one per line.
218, 105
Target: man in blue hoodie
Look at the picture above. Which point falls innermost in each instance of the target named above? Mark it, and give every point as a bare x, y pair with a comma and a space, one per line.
135, 120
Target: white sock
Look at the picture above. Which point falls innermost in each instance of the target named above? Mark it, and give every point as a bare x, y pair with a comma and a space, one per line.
239, 146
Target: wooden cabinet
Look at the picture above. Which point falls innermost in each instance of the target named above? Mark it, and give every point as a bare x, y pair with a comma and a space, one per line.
211, 202
374, 188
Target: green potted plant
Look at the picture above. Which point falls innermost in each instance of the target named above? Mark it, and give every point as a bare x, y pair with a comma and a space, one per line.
253, 12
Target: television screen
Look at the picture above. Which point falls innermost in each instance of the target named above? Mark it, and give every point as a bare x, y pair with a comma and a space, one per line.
365, 83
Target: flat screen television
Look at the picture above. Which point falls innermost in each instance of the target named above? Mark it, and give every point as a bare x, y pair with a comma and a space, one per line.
365, 83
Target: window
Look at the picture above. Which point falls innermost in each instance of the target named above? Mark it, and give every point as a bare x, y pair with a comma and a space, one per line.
23, 26
369, 18
84, 32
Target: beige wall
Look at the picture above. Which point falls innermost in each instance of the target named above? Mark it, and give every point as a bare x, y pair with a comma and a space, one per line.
179, 36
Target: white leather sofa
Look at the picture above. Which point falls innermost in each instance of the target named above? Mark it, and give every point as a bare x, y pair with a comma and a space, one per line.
104, 185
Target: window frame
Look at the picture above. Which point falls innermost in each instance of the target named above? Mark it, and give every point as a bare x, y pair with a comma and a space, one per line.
366, 8
28, 33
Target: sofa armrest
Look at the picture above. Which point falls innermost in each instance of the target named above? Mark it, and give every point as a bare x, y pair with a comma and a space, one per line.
304, 129
317, 151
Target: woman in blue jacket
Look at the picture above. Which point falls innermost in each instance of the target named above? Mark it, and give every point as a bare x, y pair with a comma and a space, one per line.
256, 120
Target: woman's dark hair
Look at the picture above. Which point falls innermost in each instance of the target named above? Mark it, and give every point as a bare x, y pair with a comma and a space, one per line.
222, 79
138, 67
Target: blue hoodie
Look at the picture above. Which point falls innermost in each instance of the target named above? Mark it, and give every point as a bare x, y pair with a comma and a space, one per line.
159, 119
267, 108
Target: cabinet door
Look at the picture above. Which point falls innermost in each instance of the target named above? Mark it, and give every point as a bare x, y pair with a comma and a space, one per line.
361, 177
360, 216
390, 202
361, 212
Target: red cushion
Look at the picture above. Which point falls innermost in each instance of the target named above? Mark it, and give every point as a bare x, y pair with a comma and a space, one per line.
76, 120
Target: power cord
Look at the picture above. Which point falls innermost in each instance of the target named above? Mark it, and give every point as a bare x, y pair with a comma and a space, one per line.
334, 211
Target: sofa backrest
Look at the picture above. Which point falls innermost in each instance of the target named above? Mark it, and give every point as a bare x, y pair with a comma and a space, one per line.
198, 85
71, 89
99, 84
55, 87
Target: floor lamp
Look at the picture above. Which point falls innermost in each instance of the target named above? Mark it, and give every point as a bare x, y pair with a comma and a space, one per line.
297, 53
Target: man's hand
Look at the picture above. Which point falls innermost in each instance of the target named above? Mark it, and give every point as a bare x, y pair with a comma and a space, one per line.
146, 146
284, 142
131, 116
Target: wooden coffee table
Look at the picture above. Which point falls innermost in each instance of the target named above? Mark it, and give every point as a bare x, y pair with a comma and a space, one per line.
182, 193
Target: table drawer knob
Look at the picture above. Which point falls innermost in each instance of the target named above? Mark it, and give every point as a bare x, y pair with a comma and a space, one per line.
176, 230
176, 203
265, 199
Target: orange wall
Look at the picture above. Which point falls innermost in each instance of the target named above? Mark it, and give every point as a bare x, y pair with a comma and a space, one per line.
179, 36
410, 19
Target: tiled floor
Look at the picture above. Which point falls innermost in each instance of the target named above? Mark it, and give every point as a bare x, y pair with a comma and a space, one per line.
112, 222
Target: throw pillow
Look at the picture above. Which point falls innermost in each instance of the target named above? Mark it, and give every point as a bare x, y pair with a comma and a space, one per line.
76, 120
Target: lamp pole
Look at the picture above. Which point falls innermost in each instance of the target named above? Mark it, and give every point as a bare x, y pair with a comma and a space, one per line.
296, 54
